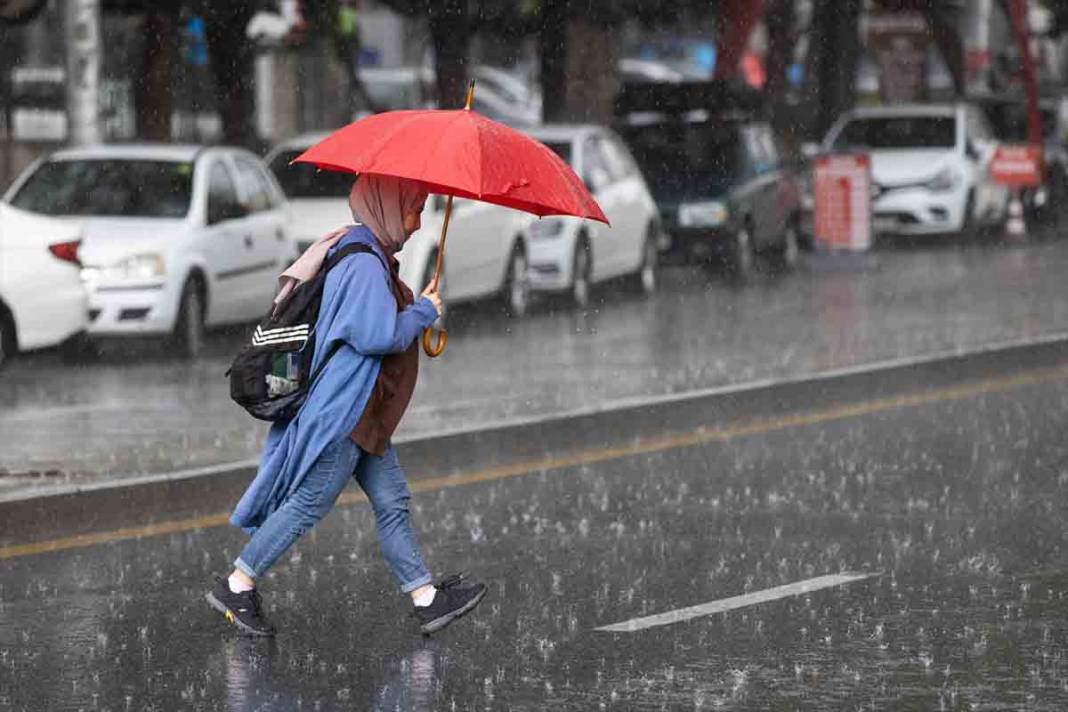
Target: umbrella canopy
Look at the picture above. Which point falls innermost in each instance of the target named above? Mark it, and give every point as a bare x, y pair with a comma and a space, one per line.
459, 153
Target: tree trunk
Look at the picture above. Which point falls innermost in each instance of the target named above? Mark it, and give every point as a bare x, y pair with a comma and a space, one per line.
836, 40
553, 50
81, 38
946, 21
450, 32
153, 95
231, 65
593, 77
781, 37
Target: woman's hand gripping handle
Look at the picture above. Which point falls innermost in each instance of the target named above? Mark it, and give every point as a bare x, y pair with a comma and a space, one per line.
431, 349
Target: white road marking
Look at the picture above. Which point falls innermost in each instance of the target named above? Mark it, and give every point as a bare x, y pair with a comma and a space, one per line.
729, 604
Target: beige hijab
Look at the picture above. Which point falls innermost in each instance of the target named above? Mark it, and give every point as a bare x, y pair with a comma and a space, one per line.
380, 203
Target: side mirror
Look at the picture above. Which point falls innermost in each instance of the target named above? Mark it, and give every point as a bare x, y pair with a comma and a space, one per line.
971, 150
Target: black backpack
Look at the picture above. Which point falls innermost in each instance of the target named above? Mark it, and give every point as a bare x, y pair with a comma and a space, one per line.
271, 375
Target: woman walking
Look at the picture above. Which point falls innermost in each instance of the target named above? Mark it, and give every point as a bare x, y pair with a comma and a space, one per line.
343, 430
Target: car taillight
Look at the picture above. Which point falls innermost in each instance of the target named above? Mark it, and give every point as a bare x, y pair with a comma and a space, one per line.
66, 251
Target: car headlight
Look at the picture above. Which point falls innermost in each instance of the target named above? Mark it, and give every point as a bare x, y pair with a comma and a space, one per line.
712, 213
945, 179
547, 227
137, 267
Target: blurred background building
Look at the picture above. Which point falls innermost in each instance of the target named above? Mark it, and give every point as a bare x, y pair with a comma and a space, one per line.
261, 71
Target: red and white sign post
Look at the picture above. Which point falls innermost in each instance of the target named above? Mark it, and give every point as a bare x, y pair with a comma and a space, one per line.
841, 190
1018, 167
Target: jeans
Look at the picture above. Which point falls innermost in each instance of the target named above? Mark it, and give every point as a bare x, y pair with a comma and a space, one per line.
381, 478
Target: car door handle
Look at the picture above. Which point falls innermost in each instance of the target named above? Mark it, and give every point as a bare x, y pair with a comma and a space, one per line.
248, 241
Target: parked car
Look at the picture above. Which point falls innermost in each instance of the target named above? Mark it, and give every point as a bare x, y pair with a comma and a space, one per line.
486, 254
174, 238
930, 166
569, 254
42, 300
720, 186
318, 200
640, 71
694, 57
498, 94
518, 100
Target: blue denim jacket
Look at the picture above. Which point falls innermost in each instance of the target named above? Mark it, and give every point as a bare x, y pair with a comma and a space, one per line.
358, 311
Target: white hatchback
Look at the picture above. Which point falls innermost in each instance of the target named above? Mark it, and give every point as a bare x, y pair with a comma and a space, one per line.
569, 254
930, 166
486, 254
173, 238
42, 300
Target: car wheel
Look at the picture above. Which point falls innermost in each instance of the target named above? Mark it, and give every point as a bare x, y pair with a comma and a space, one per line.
79, 347
8, 345
645, 279
787, 253
968, 222
581, 267
428, 274
517, 283
740, 258
189, 327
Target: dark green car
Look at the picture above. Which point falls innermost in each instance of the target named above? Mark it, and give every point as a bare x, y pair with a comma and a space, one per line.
722, 191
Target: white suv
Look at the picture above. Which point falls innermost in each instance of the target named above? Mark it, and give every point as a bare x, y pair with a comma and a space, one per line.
173, 238
930, 166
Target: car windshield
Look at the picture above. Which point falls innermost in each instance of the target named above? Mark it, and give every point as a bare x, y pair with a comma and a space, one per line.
129, 188
561, 148
388, 94
303, 180
898, 132
685, 160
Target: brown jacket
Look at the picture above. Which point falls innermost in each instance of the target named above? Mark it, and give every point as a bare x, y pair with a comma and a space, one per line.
394, 387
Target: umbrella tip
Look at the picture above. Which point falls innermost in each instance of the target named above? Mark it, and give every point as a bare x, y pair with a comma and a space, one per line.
470, 95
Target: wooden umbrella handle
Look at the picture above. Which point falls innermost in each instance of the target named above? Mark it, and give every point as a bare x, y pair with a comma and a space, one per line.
429, 348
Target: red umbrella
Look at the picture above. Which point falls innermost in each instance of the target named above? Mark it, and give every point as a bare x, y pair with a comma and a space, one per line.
457, 153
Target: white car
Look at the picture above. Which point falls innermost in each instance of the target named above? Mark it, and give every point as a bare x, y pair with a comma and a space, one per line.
570, 254
173, 238
486, 252
499, 95
42, 300
930, 166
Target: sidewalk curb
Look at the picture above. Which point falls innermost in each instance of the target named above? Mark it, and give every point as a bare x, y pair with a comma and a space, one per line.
137, 501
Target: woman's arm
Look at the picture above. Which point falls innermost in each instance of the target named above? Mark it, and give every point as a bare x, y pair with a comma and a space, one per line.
373, 324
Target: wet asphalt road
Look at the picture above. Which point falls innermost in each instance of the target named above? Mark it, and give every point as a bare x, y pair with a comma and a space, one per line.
136, 410
956, 506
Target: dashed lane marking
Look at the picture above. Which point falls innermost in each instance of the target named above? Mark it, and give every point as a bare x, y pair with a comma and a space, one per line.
723, 605
698, 436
